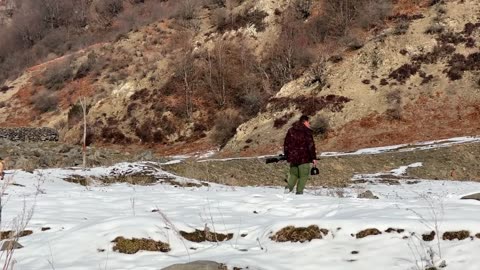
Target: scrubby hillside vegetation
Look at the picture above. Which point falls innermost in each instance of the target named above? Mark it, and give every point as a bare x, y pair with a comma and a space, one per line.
169, 72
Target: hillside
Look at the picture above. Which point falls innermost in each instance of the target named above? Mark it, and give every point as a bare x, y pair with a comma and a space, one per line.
186, 76
416, 81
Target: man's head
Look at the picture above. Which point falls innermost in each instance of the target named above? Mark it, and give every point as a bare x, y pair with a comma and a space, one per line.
304, 119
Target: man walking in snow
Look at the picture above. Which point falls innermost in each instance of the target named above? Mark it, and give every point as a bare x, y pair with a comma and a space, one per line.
299, 148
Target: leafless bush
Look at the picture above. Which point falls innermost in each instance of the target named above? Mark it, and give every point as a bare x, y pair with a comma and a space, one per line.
226, 124
342, 14
401, 27
320, 125
88, 66
54, 77
317, 73
303, 7
394, 99
372, 12
187, 9
45, 101
107, 9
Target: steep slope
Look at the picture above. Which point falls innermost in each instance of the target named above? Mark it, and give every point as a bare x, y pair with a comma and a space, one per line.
134, 86
411, 82
186, 82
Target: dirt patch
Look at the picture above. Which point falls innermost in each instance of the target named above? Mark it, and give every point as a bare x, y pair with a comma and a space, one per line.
429, 236
460, 235
132, 246
391, 230
367, 232
206, 235
300, 234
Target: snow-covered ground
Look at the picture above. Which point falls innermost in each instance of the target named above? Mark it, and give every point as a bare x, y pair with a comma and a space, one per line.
84, 220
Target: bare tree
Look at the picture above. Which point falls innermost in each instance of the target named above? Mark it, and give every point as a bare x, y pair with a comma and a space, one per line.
83, 104
341, 14
216, 74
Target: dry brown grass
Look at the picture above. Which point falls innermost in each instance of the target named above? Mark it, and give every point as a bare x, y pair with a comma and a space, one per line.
206, 235
132, 246
452, 235
299, 234
367, 232
429, 236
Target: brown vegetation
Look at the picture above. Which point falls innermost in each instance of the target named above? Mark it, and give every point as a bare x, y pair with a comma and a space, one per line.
206, 235
390, 230
367, 232
460, 235
132, 246
428, 236
299, 234
310, 105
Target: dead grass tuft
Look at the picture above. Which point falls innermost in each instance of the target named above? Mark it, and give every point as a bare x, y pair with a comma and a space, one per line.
452, 235
132, 246
429, 236
11, 234
77, 179
205, 235
300, 234
390, 230
367, 232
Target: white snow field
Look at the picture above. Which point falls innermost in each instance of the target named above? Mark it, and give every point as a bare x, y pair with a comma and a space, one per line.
84, 221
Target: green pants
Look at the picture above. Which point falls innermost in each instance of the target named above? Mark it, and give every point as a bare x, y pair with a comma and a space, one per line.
298, 176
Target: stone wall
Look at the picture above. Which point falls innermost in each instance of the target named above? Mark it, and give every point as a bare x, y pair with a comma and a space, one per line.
29, 134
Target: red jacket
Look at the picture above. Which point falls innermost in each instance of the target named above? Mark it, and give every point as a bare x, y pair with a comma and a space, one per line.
299, 146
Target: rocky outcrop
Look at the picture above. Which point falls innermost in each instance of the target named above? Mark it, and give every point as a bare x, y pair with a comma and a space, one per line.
29, 134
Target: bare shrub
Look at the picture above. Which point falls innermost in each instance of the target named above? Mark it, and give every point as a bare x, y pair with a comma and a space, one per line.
320, 125
225, 21
107, 9
303, 7
342, 14
187, 9
373, 12
226, 124
401, 27
317, 73
45, 101
291, 55
86, 67
394, 99
54, 77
